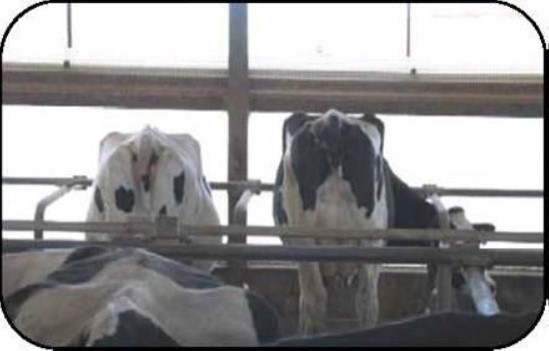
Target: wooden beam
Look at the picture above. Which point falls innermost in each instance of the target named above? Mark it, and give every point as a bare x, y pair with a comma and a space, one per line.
112, 86
274, 90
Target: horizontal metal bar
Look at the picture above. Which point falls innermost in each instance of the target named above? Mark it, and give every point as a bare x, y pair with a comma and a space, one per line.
467, 257
275, 90
188, 230
254, 184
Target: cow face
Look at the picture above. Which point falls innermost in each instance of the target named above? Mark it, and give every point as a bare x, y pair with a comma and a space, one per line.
336, 144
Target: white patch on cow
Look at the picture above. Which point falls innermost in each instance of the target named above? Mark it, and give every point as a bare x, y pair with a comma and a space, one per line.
25, 268
192, 317
106, 322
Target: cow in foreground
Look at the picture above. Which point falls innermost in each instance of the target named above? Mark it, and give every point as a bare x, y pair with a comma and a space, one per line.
149, 174
333, 175
93, 296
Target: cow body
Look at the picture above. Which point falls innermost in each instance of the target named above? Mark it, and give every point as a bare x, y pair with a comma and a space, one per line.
150, 174
131, 297
331, 176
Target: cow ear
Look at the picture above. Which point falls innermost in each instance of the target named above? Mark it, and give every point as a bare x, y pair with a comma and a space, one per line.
371, 118
292, 125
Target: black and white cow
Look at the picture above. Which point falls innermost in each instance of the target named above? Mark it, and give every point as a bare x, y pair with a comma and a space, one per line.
333, 174
150, 173
130, 297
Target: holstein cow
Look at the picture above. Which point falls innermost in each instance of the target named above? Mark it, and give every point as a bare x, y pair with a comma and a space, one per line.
131, 297
150, 173
333, 175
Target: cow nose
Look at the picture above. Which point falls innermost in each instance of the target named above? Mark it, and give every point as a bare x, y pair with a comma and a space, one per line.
146, 179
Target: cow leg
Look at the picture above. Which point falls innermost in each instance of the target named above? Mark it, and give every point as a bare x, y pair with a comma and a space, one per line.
366, 299
312, 299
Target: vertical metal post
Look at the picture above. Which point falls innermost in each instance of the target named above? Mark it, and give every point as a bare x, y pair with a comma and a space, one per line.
238, 106
408, 38
67, 62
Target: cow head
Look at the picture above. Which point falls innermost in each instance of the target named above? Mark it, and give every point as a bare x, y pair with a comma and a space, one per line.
334, 143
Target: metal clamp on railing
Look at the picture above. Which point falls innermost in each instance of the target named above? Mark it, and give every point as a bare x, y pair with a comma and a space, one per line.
78, 182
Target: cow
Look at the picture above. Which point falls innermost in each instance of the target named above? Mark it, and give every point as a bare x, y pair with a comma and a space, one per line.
446, 329
148, 174
101, 296
409, 210
333, 175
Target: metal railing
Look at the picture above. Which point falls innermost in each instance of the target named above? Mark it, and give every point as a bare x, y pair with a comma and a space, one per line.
458, 247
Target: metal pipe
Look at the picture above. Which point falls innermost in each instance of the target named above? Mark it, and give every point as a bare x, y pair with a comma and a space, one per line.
409, 255
129, 228
256, 185
43, 204
444, 291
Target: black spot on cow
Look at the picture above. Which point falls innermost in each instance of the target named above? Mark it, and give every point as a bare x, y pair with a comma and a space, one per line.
455, 209
179, 187
98, 199
146, 180
163, 211
84, 252
84, 263
134, 329
310, 164
358, 165
293, 124
278, 211
265, 318
183, 275
379, 176
125, 199
134, 157
153, 159
372, 119
14, 301
410, 209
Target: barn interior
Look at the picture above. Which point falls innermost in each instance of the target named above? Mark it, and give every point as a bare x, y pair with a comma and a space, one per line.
239, 90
